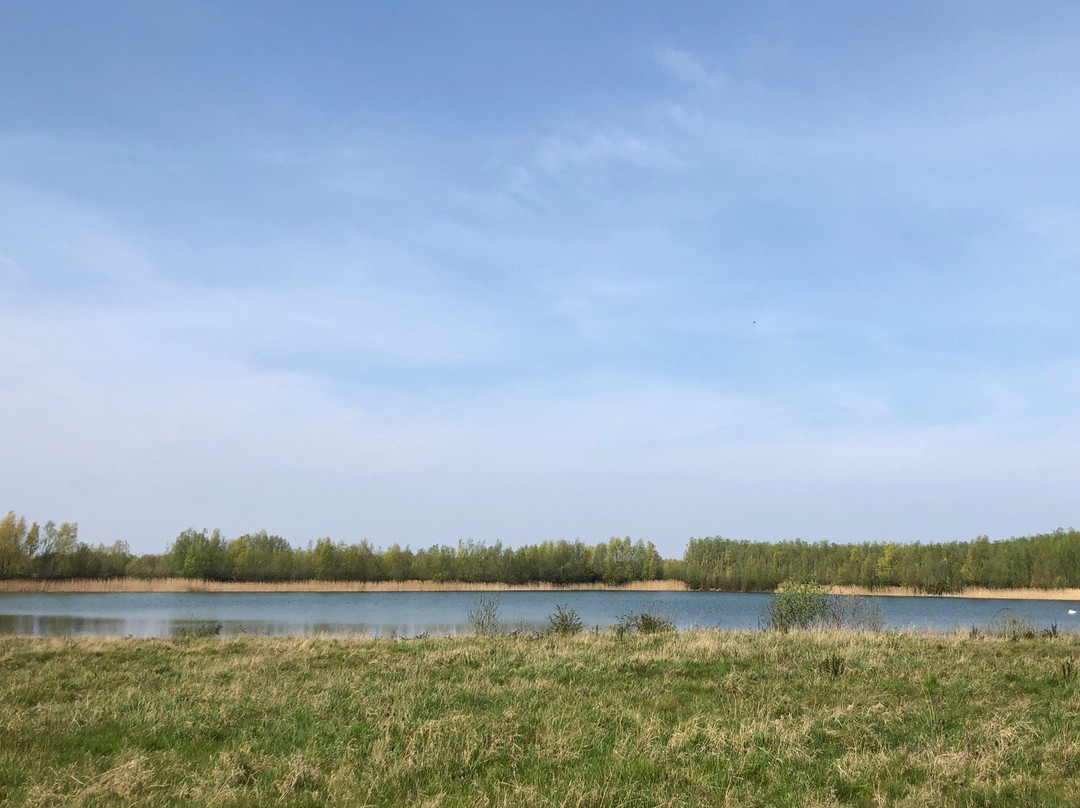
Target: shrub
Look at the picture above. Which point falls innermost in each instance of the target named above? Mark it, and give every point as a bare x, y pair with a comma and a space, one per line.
1008, 625
798, 604
197, 630
645, 622
484, 617
855, 613
564, 622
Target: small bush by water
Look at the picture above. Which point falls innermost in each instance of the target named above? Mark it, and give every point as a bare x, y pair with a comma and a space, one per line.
804, 605
484, 617
564, 622
798, 604
644, 622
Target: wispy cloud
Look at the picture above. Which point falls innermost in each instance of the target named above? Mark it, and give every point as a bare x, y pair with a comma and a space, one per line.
689, 69
790, 278
600, 147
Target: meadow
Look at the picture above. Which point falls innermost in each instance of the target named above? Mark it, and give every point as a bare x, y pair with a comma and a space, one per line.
599, 719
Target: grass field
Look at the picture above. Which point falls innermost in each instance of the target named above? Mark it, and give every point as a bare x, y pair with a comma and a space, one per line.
702, 718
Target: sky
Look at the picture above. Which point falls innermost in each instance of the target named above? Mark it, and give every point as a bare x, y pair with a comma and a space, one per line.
426, 272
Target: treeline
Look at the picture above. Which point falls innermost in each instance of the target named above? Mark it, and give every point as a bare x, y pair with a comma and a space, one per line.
28, 552
1044, 561
54, 552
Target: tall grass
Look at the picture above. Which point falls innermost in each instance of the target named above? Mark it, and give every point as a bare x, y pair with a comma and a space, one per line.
700, 718
967, 592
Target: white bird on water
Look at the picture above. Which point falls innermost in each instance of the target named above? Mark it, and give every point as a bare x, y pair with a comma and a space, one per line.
1072, 611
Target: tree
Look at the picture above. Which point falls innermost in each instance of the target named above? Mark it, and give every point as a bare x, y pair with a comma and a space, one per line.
15, 550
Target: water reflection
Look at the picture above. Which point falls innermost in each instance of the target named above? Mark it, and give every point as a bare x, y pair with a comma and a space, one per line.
62, 625
400, 614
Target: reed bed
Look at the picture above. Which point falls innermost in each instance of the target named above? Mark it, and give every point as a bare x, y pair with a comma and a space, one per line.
185, 585
969, 592
701, 718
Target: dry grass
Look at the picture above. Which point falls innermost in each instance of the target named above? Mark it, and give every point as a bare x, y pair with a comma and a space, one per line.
185, 585
702, 718
970, 592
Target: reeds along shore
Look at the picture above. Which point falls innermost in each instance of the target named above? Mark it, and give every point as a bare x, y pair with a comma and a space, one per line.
185, 585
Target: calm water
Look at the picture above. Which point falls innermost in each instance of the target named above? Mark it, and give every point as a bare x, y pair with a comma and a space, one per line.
407, 614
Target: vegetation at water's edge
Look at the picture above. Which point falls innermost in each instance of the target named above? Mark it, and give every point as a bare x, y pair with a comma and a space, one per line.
702, 718
1049, 560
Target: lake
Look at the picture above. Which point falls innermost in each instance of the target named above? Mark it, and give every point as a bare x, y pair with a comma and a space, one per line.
407, 614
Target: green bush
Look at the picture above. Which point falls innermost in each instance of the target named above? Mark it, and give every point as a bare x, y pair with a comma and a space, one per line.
798, 604
645, 622
564, 622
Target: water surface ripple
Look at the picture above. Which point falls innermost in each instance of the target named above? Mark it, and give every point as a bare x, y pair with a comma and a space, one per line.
408, 614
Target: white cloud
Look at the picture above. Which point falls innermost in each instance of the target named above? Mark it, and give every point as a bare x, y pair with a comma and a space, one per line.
62, 239
600, 147
689, 69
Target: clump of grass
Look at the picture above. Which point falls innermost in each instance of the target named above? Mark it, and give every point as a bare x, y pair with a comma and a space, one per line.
565, 622
834, 665
644, 622
198, 630
1015, 628
484, 617
1068, 670
854, 613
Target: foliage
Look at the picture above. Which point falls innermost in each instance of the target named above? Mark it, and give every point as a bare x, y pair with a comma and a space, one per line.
644, 622
564, 622
198, 630
799, 605
1048, 560
1043, 561
484, 617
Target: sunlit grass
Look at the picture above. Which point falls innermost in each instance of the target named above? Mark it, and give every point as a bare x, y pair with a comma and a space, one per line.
699, 718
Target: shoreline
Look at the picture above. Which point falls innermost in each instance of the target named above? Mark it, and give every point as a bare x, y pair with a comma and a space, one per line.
182, 585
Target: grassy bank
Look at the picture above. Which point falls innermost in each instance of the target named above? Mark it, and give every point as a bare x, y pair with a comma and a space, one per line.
690, 719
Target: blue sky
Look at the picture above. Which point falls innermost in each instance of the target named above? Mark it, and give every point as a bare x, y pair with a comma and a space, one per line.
427, 272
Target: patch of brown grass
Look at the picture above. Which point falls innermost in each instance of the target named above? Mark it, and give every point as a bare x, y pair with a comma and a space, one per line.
969, 592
